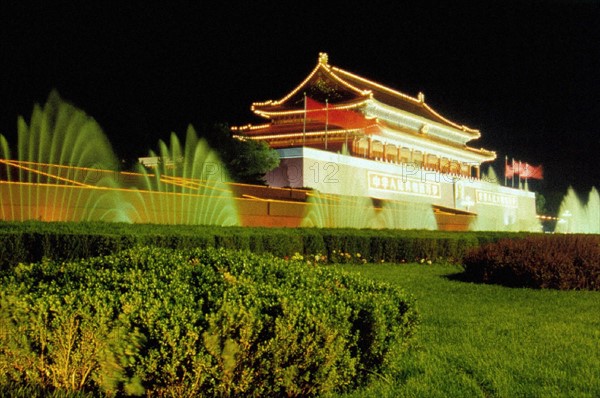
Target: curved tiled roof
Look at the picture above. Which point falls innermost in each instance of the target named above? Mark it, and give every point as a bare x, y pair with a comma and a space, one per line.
359, 88
396, 99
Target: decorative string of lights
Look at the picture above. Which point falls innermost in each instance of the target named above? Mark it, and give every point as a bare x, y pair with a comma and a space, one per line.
379, 86
21, 166
351, 132
401, 117
190, 183
268, 114
436, 148
250, 127
417, 101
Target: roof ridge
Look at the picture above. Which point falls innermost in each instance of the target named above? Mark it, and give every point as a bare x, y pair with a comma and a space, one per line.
419, 100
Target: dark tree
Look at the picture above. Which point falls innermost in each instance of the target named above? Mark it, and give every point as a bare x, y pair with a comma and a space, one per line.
540, 204
247, 160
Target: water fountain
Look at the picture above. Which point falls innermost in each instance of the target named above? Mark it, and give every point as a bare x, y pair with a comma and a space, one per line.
504, 218
406, 215
576, 217
335, 211
187, 185
65, 170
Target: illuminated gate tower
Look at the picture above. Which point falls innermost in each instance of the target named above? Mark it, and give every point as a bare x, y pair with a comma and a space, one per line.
340, 133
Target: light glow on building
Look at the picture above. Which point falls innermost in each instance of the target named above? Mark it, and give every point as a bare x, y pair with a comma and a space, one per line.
343, 134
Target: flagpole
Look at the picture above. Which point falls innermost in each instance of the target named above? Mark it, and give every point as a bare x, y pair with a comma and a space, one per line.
326, 120
526, 172
519, 180
512, 178
304, 124
505, 166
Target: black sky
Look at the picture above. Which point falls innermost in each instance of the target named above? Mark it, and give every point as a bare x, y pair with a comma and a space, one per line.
526, 73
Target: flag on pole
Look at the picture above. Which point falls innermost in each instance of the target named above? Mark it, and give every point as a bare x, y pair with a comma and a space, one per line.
505, 168
326, 120
514, 171
304, 125
534, 172
509, 170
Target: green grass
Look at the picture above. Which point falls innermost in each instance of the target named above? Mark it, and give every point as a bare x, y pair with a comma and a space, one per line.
491, 341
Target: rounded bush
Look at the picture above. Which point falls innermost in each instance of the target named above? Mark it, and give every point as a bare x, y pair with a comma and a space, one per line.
197, 322
538, 261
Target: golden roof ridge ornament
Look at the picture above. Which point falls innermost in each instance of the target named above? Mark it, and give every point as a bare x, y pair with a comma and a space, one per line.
324, 59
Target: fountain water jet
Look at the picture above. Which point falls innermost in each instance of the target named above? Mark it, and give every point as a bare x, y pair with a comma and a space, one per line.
329, 211
577, 217
64, 168
188, 185
406, 215
504, 218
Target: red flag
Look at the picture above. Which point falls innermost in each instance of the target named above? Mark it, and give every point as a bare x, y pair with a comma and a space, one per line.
534, 172
509, 171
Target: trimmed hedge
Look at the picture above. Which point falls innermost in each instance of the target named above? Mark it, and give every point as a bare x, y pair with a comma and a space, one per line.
196, 322
541, 261
33, 241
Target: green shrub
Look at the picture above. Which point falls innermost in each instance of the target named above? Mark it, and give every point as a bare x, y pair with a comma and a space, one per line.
542, 261
196, 322
313, 242
33, 241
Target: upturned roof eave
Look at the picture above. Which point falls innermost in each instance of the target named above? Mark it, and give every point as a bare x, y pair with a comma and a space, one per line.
364, 89
376, 88
322, 65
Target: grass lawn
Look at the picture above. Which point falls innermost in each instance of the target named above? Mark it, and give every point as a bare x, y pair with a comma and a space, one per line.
491, 341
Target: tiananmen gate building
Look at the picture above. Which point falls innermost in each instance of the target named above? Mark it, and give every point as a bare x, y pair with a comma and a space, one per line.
342, 134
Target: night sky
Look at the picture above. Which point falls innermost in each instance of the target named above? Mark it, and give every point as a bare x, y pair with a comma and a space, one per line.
527, 74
